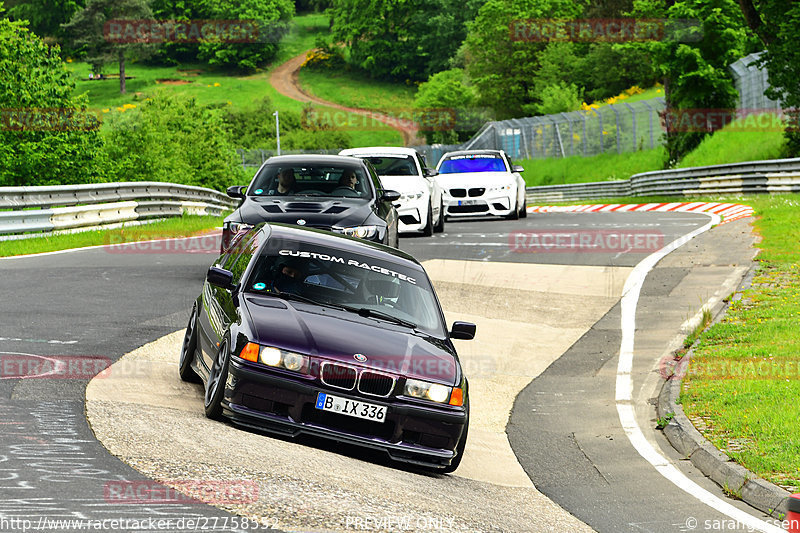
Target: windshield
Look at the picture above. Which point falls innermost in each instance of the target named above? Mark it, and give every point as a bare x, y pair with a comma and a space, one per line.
393, 165
310, 180
473, 163
359, 284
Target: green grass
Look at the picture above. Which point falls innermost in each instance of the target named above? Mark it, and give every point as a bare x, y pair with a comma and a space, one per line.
351, 89
209, 86
744, 380
169, 228
602, 167
735, 143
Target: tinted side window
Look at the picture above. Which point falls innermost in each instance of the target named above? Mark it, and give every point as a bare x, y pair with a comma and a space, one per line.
240, 257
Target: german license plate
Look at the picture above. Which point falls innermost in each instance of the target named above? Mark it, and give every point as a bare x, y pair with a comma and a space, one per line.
468, 202
346, 406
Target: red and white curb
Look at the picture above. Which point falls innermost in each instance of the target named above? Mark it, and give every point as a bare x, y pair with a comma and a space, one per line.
728, 212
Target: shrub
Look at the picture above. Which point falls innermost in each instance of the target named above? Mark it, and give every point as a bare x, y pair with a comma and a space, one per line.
46, 135
171, 138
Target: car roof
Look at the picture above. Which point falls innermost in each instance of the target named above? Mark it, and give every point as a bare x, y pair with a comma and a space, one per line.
393, 150
474, 152
313, 159
323, 238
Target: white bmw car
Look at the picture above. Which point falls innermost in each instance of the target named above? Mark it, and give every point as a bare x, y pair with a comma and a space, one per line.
481, 182
420, 207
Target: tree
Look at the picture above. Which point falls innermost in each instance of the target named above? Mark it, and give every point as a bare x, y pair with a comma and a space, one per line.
501, 60
445, 104
46, 135
402, 39
45, 17
694, 65
777, 24
89, 29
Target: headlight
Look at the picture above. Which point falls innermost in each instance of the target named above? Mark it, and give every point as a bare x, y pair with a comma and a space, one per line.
238, 227
362, 232
428, 391
412, 196
500, 188
270, 356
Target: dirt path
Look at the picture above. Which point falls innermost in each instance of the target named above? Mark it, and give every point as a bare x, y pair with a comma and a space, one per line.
284, 79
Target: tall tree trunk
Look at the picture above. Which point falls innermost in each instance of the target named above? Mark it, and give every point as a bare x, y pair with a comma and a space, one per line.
121, 71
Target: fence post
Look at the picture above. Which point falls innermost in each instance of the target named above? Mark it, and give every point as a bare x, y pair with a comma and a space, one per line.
633, 123
571, 138
617, 127
650, 116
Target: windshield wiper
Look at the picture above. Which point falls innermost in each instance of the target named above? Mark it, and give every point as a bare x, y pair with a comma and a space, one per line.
367, 312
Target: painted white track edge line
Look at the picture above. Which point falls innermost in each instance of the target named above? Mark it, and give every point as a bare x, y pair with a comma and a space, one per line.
624, 391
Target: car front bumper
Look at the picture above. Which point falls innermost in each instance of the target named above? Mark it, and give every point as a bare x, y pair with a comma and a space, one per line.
496, 204
285, 404
412, 215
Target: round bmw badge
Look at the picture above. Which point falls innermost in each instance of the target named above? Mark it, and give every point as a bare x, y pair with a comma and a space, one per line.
301, 222
360, 357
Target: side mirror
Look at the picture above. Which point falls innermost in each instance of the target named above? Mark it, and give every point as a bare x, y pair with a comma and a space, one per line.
517, 168
237, 191
463, 331
429, 173
390, 196
220, 277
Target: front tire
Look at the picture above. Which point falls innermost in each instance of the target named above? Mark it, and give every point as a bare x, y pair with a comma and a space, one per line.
439, 227
217, 377
188, 350
428, 229
514, 215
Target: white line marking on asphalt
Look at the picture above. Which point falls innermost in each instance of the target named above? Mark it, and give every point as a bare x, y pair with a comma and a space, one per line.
624, 391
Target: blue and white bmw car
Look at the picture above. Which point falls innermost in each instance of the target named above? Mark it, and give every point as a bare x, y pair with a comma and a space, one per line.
420, 208
481, 182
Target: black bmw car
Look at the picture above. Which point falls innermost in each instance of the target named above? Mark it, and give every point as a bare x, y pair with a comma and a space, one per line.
335, 193
300, 331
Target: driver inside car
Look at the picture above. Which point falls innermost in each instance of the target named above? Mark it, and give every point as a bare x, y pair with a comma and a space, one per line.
289, 277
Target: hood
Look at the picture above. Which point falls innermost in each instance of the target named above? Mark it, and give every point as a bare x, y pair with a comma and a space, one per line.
339, 335
475, 179
403, 184
317, 212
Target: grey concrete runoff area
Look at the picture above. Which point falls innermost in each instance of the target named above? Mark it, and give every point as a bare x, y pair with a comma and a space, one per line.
546, 451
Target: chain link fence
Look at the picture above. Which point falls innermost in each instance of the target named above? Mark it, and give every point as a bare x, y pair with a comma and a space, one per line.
612, 128
751, 83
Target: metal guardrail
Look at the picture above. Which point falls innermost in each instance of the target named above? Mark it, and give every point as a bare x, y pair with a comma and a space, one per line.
63, 207
752, 177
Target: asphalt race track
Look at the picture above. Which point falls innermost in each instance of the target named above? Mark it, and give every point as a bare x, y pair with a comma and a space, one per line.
543, 368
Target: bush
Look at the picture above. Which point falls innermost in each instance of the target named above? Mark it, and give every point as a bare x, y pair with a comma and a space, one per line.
171, 138
558, 98
46, 136
446, 105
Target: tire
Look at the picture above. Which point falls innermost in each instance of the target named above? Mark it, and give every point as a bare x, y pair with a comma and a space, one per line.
188, 350
523, 213
462, 444
428, 229
514, 215
439, 227
217, 376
